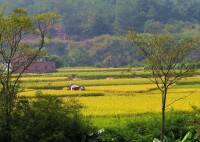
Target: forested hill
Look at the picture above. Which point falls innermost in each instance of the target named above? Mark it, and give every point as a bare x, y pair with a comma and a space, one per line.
89, 18
93, 29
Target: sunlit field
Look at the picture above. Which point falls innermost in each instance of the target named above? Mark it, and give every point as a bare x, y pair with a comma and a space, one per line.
113, 97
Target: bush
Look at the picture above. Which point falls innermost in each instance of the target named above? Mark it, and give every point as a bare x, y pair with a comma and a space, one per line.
179, 123
143, 129
49, 119
147, 127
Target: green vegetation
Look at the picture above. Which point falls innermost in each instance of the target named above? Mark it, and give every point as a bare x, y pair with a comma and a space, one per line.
88, 18
16, 55
94, 29
146, 128
47, 119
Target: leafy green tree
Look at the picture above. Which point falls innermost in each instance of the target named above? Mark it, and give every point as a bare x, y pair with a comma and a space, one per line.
58, 60
48, 118
57, 48
86, 18
77, 55
97, 27
15, 54
123, 9
153, 26
167, 57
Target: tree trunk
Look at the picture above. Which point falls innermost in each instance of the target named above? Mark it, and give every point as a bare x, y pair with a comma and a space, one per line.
164, 94
163, 125
7, 115
7, 129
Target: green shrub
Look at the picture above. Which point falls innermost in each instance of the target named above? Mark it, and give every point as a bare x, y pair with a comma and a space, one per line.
143, 129
49, 119
179, 123
146, 127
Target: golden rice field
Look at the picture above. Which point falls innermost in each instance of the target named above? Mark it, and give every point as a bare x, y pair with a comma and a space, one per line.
112, 97
108, 103
56, 83
39, 79
117, 97
138, 103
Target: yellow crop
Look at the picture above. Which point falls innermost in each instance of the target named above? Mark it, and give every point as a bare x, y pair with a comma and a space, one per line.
114, 97
140, 103
122, 88
60, 93
30, 79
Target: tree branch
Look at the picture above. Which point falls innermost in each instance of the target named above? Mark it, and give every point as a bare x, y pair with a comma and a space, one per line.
179, 99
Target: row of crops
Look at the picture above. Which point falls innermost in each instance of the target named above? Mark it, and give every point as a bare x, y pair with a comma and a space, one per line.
112, 96
93, 73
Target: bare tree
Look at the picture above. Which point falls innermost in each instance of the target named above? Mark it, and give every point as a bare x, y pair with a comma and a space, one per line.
16, 54
169, 59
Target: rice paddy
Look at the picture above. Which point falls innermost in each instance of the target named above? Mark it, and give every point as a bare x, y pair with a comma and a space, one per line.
110, 96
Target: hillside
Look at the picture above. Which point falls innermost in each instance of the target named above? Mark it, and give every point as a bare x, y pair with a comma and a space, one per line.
91, 33
88, 18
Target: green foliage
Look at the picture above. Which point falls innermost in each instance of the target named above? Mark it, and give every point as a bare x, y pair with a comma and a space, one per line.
103, 51
77, 55
187, 138
80, 20
48, 119
45, 17
88, 18
17, 55
181, 126
143, 129
58, 60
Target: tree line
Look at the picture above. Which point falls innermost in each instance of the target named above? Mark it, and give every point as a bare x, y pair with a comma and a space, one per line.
89, 18
101, 51
94, 29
